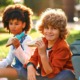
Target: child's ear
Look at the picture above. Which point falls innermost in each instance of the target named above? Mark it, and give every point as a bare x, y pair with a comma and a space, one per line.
24, 24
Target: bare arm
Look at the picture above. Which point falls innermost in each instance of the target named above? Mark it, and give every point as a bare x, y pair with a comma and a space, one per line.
31, 72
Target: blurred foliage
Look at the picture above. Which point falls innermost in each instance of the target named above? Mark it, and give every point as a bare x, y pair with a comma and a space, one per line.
5, 2
77, 1
2, 30
37, 5
74, 35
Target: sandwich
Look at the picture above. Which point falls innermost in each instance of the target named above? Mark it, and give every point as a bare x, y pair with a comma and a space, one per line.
18, 36
32, 43
9, 42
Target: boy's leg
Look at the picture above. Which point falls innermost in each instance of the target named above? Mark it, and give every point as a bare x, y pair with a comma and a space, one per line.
42, 78
8, 73
65, 75
23, 75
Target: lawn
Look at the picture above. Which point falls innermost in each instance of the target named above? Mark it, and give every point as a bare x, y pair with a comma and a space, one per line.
74, 34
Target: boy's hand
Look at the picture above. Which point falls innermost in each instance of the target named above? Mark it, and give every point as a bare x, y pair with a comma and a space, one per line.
41, 47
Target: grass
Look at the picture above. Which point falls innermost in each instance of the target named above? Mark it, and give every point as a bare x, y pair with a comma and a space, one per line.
3, 49
74, 34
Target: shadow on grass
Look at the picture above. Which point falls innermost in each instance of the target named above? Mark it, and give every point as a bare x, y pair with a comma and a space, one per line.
3, 41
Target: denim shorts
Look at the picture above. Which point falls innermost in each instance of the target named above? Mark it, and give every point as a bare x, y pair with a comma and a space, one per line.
63, 75
22, 73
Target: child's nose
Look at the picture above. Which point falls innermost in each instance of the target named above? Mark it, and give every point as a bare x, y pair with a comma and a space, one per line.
13, 26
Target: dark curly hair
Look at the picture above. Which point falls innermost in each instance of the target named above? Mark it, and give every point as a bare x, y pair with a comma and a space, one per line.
19, 12
55, 18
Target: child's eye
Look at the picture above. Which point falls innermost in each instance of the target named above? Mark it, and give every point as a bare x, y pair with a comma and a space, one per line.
10, 23
54, 28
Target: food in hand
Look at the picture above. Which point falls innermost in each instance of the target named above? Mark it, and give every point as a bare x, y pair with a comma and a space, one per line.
32, 43
9, 42
18, 36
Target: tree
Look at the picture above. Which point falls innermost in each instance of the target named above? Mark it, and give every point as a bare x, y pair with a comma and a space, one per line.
68, 7
5, 2
37, 5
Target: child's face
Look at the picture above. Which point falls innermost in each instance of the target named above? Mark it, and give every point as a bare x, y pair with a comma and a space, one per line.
51, 33
16, 26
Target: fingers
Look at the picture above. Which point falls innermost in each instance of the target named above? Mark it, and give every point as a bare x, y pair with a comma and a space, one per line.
9, 42
15, 42
14, 39
39, 43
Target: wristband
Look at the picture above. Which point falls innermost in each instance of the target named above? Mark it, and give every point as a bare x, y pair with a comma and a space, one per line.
31, 64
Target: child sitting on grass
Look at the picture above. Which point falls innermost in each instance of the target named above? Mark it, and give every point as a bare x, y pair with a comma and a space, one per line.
52, 55
17, 19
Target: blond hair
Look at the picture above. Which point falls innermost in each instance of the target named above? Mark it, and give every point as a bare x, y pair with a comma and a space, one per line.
55, 18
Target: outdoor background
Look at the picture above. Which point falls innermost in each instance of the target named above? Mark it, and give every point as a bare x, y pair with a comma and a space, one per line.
71, 8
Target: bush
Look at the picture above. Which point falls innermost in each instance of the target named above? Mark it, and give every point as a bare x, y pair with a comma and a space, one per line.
5, 2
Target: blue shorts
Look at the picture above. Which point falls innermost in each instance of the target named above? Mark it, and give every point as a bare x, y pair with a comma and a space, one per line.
63, 75
22, 73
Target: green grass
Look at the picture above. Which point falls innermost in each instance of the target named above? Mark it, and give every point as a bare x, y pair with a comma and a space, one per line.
74, 34
3, 49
